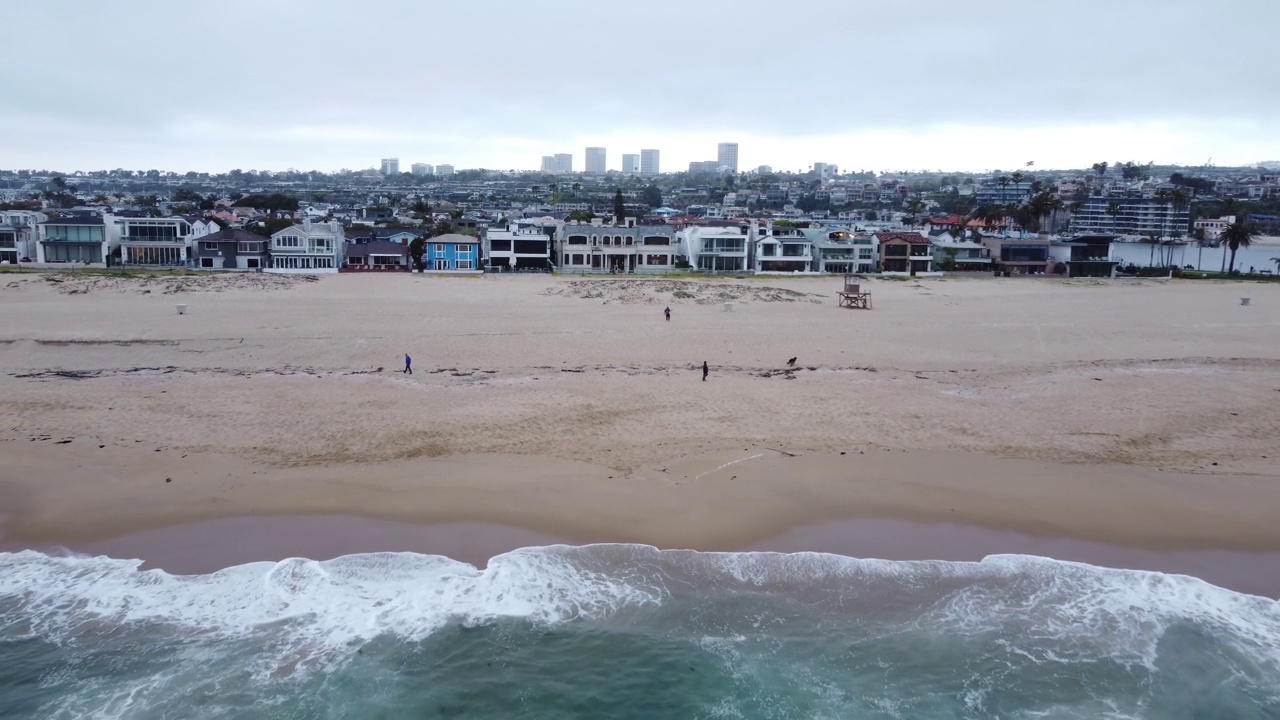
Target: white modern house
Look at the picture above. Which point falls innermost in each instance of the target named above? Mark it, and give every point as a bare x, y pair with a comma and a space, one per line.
840, 250
517, 246
18, 235
81, 239
154, 242
718, 249
783, 250
311, 247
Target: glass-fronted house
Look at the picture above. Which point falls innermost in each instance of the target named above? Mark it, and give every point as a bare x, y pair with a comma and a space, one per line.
83, 240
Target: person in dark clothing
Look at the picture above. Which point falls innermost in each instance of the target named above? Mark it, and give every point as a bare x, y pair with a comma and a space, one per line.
408, 364
705, 370
667, 312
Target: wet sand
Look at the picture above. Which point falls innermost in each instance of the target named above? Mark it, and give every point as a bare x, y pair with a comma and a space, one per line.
204, 547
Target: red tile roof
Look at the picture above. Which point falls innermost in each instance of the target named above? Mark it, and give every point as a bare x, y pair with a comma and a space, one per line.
914, 238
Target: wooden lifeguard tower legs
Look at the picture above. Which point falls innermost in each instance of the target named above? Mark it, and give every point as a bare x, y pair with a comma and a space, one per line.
853, 296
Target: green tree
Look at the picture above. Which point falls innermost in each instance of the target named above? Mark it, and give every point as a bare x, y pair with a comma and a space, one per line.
619, 207
582, 215
1100, 169
652, 196
1237, 235
417, 247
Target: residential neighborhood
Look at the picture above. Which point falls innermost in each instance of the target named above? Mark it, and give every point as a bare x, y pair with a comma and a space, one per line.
714, 219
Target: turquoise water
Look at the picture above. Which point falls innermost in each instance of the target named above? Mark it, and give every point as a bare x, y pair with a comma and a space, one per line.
616, 631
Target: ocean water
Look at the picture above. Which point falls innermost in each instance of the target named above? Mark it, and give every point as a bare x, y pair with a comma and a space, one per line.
624, 631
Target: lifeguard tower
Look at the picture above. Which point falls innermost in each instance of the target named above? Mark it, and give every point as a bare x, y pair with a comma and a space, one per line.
853, 296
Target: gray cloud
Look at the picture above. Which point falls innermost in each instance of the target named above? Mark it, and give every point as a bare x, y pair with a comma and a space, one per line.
327, 84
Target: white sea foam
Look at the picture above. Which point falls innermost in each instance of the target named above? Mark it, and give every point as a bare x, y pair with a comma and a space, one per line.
317, 613
298, 616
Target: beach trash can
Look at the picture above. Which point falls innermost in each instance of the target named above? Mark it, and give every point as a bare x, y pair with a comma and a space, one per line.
1244, 301
182, 309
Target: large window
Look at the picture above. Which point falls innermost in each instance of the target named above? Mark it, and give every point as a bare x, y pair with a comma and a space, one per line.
500, 245
76, 253
894, 250
288, 241
442, 264
465, 265
162, 233
247, 247
74, 233
576, 240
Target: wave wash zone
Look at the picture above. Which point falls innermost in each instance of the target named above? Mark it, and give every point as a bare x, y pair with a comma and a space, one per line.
616, 631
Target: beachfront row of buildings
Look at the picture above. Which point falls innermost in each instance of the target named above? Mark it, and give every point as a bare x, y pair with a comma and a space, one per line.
540, 245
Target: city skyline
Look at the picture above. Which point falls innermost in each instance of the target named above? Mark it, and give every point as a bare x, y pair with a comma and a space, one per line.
1065, 92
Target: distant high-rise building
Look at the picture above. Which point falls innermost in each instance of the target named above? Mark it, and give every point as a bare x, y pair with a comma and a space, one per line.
549, 163
595, 162
708, 167
825, 170
630, 163
444, 170
390, 166
727, 155
649, 162
422, 169
564, 162
765, 169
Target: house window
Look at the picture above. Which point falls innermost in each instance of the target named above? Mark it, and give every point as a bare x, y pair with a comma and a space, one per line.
864, 253
206, 262
252, 263
463, 251
442, 264
579, 260
210, 245
439, 250
465, 265
566, 258
246, 247
288, 241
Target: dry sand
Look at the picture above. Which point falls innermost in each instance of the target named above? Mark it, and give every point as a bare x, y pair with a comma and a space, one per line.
1140, 414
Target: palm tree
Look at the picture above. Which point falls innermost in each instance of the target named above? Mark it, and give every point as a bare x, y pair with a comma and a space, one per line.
1237, 235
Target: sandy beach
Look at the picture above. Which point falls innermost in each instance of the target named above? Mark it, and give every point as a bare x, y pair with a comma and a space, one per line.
1140, 415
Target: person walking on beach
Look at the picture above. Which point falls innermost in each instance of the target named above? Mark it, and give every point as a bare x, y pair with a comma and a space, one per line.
408, 364
705, 370
667, 312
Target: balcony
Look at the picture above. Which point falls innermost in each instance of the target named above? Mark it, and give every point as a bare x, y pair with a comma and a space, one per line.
169, 240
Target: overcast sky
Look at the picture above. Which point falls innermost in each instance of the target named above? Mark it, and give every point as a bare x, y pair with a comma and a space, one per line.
884, 85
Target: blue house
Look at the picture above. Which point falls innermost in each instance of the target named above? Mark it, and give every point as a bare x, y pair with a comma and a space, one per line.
452, 253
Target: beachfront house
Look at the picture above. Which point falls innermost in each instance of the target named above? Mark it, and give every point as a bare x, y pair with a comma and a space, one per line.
311, 247
452, 253
627, 248
839, 251
229, 249
782, 249
518, 246
718, 249
370, 255
1022, 255
1085, 255
959, 253
18, 233
908, 253
80, 239
154, 242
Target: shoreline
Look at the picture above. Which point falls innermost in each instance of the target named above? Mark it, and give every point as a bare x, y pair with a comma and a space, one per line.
720, 500
208, 546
